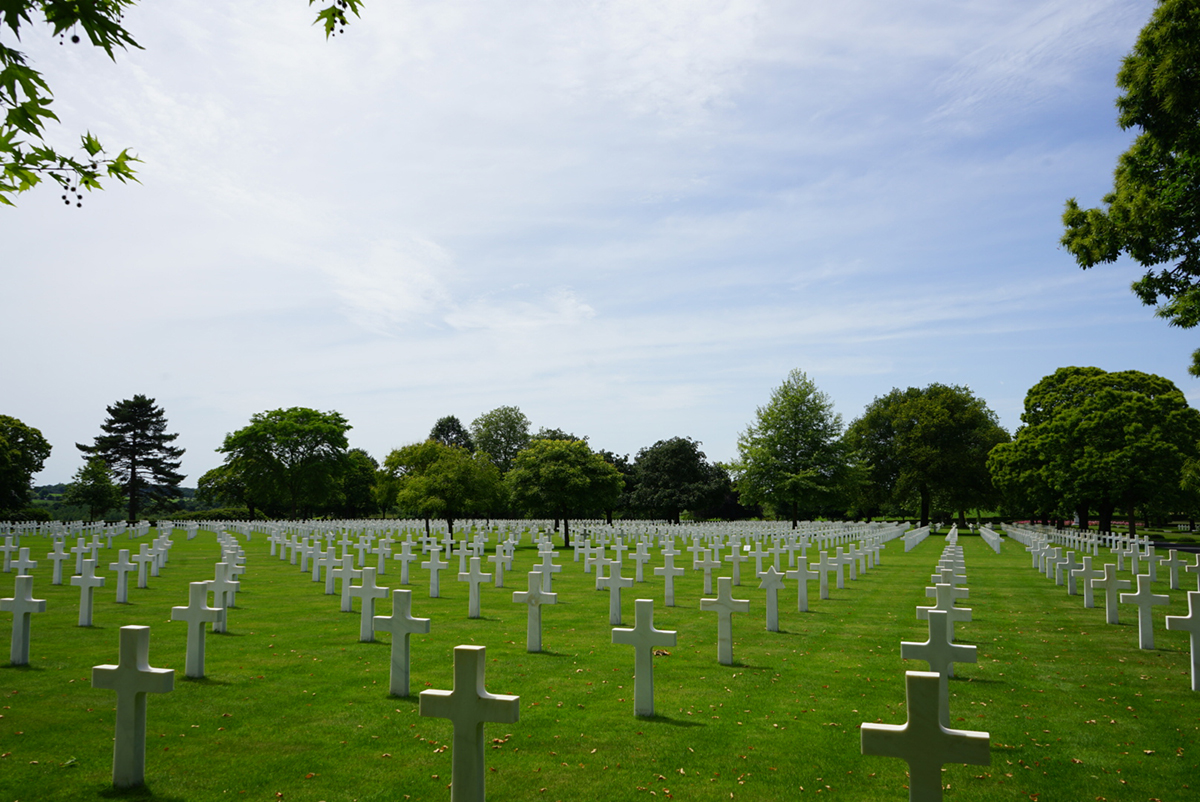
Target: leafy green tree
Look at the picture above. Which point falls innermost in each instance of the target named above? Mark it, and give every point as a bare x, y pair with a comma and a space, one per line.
137, 449
93, 487
555, 434
26, 99
791, 457
446, 482
23, 451
1152, 213
500, 434
358, 484
621, 462
930, 445
224, 487
563, 479
289, 459
449, 431
1099, 440
674, 475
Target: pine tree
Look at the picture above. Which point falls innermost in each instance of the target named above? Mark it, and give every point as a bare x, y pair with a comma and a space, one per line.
137, 449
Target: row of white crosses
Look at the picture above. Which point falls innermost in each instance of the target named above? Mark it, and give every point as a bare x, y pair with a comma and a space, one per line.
1052, 560
926, 741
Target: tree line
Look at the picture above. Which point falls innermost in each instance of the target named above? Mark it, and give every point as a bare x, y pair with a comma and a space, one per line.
1091, 443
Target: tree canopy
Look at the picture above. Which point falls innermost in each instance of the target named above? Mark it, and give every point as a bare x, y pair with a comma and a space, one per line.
1152, 213
435, 480
93, 487
449, 431
674, 475
563, 479
929, 445
1091, 439
26, 99
791, 456
501, 433
137, 449
289, 460
23, 451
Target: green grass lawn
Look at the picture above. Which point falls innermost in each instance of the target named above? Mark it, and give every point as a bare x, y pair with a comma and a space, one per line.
295, 708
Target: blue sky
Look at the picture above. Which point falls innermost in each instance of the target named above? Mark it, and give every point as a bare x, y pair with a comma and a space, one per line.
629, 219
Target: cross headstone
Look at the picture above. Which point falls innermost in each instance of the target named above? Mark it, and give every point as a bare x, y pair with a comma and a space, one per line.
143, 558
668, 572
1173, 563
643, 638
10, 546
475, 577
468, 707
345, 573
1065, 569
197, 613
1111, 586
1190, 623
535, 597
123, 566
400, 624
58, 556
824, 568
87, 583
640, 557
923, 741
706, 563
725, 606
368, 592
132, 678
1085, 574
736, 557
614, 582
945, 602
1195, 569
222, 588
1145, 599
436, 565
23, 565
405, 557
22, 605
941, 652
772, 582
549, 569
803, 576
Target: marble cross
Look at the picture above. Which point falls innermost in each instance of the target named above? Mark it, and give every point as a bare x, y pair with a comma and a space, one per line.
468, 707
22, 605
803, 576
945, 602
725, 606
706, 563
1111, 586
197, 613
132, 678
640, 557
368, 592
346, 573
923, 741
1173, 563
123, 566
736, 557
58, 555
475, 577
400, 624
405, 557
940, 652
1145, 598
824, 568
614, 582
143, 558
1085, 574
668, 572
87, 583
23, 565
772, 582
643, 638
1190, 623
549, 569
436, 565
535, 597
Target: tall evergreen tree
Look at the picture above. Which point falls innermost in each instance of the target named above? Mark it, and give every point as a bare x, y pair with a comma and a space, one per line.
137, 449
449, 431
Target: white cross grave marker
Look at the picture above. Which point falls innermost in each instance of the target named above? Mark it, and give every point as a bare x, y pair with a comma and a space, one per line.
803, 576
132, 678
23, 565
725, 606
475, 577
197, 613
1190, 623
1111, 586
87, 582
772, 582
923, 742
1145, 599
535, 597
643, 638
668, 572
58, 555
468, 707
22, 605
123, 566
368, 592
400, 624
436, 565
614, 582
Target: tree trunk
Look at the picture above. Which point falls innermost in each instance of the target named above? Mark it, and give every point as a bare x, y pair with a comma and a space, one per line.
608, 517
566, 525
925, 506
795, 515
1081, 512
962, 519
1104, 516
427, 527
450, 525
1132, 520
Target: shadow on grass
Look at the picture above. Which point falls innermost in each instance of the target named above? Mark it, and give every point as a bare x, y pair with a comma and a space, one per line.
202, 680
23, 667
143, 793
674, 722
549, 653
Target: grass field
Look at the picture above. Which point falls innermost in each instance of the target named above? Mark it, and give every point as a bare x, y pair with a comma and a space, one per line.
294, 708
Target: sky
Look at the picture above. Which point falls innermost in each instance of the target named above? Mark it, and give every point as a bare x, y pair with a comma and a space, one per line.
630, 219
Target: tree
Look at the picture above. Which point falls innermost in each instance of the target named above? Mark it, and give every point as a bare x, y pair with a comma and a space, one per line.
674, 475
1099, 440
1152, 213
440, 481
224, 487
449, 431
289, 459
358, 484
563, 479
23, 451
791, 456
930, 445
625, 500
137, 449
25, 96
93, 487
500, 434
556, 434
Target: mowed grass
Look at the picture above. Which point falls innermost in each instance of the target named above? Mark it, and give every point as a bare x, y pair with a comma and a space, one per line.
295, 708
